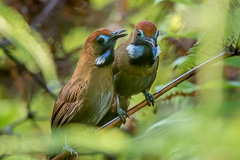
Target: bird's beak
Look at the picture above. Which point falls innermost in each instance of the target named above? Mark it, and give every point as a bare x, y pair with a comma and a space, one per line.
117, 34
155, 48
150, 41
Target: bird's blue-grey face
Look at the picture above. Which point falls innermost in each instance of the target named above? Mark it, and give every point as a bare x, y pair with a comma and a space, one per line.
144, 49
106, 44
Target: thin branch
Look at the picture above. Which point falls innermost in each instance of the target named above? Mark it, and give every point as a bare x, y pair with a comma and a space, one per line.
46, 11
229, 52
9, 128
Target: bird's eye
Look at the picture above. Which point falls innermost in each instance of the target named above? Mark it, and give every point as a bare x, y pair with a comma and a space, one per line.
139, 34
100, 40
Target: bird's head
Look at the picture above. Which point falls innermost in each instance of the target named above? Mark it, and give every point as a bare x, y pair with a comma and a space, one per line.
101, 43
143, 48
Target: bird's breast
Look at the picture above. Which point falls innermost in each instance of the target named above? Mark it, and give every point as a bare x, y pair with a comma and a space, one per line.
140, 55
133, 79
100, 95
128, 85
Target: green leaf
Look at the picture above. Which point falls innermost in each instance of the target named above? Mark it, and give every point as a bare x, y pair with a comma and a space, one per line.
221, 23
232, 61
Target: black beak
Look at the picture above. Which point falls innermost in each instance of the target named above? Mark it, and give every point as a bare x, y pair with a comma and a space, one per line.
117, 34
150, 41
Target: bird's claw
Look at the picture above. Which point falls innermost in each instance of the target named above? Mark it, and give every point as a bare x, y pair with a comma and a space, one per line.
122, 114
69, 149
149, 97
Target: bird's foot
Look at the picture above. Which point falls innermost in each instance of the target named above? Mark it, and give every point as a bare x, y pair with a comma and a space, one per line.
69, 149
149, 98
122, 114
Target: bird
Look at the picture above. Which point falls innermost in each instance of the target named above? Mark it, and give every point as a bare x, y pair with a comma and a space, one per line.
134, 68
88, 94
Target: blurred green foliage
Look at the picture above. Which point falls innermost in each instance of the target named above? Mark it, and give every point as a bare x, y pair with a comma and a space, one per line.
31, 49
199, 119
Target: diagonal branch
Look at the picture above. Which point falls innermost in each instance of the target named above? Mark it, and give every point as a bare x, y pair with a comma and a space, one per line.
228, 52
46, 11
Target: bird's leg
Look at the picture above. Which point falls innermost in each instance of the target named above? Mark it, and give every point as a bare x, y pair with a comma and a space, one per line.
149, 98
122, 114
69, 149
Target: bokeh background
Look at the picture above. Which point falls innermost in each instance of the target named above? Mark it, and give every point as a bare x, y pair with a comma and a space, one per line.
40, 44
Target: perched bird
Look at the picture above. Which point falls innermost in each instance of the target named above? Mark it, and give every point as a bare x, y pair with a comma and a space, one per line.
134, 68
88, 95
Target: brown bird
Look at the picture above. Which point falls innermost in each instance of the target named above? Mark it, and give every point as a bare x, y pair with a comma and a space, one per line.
88, 95
135, 68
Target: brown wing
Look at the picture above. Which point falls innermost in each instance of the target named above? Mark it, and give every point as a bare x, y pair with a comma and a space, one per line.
68, 102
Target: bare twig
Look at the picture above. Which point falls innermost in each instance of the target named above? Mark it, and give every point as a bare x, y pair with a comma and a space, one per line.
229, 52
9, 128
46, 11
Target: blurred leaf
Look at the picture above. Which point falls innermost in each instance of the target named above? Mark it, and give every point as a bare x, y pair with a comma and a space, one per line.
220, 84
213, 39
77, 37
232, 61
9, 112
186, 87
177, 1
14, 28
232, 84
100, 4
